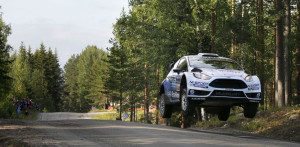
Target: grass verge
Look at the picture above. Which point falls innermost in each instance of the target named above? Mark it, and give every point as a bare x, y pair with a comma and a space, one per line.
275, 123
107, 116
100, 110
114, 116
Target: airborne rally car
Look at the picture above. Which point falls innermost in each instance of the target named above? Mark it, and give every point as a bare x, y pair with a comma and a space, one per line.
209, 81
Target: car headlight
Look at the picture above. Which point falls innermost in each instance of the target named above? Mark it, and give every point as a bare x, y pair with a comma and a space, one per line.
202, 76
249, 79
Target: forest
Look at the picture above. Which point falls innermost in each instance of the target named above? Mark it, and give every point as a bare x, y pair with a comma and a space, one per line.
261, 35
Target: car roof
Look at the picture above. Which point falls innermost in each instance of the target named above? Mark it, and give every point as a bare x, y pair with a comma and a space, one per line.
206, 55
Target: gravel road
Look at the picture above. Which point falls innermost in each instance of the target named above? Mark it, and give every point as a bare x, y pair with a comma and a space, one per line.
87, 132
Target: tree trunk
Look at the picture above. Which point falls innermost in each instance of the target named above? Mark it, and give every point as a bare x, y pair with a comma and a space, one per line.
198, 32
131, 109
213, 29
261, 47
279, 65
232, 16
287, 62
157, 99
146, 109
120, 108
135, 112
297, 101
132, 103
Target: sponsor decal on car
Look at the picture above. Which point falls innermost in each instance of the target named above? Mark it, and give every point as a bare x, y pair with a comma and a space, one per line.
199, 84
169, 93
229, 89
175, 94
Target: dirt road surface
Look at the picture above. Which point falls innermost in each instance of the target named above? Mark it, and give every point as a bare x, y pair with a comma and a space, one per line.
80, 131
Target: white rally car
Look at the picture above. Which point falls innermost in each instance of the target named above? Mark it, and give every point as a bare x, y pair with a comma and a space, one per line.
209, 81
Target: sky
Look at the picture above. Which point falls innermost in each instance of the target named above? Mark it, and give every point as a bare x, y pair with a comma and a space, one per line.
68, 26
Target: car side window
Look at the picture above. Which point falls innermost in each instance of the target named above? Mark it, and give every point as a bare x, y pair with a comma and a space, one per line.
182, 65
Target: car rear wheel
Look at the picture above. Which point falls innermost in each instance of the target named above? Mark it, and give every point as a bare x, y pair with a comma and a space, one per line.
165, 110
224, 114
186, 105
250, 110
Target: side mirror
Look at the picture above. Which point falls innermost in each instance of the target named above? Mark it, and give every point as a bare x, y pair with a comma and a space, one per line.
171, 65
177, 70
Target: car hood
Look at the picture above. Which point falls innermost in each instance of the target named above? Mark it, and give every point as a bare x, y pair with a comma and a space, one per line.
223, 73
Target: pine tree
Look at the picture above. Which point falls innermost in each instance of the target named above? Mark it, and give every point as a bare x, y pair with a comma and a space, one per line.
53, 77
5, 31
40, 82
5, 80
117, 75
70, 96
21, 75
84, 80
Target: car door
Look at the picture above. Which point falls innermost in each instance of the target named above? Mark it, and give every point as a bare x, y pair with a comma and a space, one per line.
182, 66
170, 84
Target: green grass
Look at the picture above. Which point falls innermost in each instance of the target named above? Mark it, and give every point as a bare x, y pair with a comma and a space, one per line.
100, 110
32, 115
114, 116
107, 116
140, 116
274, 122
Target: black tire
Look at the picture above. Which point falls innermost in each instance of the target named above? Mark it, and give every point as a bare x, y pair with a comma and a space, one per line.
224, 114
250, 110
186, 106
165, 110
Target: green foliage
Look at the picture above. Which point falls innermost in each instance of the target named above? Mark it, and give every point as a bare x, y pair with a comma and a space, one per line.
155, 32
152, 34
36, 76
7, 109
21, 73
84, 77
5, 62
45, 110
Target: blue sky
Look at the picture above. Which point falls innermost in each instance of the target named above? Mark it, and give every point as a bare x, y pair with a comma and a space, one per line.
65, 25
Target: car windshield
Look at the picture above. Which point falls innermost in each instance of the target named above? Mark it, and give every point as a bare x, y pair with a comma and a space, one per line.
214, 63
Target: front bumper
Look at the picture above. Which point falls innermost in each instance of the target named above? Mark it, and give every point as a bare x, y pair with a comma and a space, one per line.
222, 97
221, 91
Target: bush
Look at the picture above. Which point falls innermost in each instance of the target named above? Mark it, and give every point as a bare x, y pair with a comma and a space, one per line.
8, 110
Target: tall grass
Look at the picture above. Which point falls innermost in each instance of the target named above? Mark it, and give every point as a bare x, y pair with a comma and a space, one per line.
114, 116
107, 116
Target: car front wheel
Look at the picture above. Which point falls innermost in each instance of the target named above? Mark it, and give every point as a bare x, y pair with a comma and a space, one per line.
186, 105
165, 110
250, 110
224, 114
